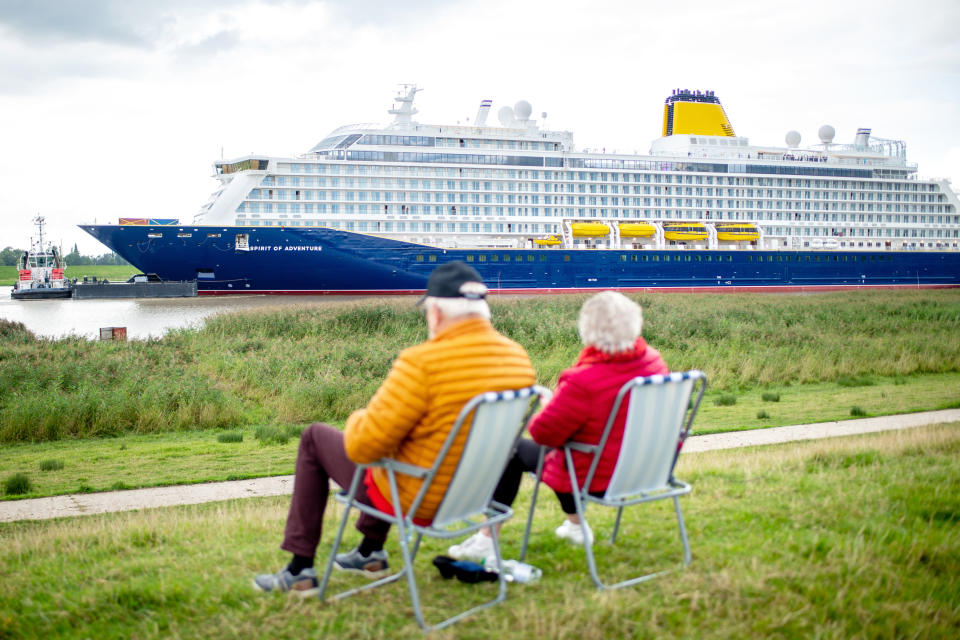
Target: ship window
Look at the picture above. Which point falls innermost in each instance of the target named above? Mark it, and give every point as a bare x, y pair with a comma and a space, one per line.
431, 258
729, 258
419, 257
687, 258
529, 257
656, 258
709, 258
506, 258
566, 257
623, 258
470, 258
184, 235
633, 258
154, 235
807, 258
543, 258
769, 258
646, 258
494, 258
666, 258
213, 235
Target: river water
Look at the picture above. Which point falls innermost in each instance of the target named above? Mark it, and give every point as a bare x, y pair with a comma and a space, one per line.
143, 317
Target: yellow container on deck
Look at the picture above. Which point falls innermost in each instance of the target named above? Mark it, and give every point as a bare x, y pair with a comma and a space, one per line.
590, 229
549, 242
637, 230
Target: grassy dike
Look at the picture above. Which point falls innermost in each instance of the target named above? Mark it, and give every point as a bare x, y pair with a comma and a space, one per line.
842, 538
78, 416
297, 365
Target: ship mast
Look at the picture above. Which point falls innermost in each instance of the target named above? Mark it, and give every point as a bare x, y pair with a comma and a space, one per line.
38, 220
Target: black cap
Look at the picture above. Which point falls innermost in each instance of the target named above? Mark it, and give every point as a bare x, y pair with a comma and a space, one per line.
448, 279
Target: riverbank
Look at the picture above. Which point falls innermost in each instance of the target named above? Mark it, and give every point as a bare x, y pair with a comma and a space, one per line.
295, 365
8, 274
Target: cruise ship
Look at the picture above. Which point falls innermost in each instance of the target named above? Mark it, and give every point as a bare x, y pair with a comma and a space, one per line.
374, 209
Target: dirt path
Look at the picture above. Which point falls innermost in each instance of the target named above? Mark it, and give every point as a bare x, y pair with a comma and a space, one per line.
91, 503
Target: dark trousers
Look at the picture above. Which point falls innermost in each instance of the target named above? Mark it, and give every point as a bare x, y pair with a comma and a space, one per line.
321, 457
525, 460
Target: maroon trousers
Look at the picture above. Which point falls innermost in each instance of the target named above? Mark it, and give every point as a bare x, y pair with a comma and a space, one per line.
321, 457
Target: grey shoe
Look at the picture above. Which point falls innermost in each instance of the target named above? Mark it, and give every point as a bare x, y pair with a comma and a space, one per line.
373, 566
303, 584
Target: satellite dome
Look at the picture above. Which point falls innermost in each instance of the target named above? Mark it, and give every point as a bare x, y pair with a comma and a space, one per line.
505, 115
793, 139
523, 110
826, 134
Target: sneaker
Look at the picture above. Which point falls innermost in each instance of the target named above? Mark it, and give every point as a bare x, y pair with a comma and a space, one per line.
573, 532
477, 547
303, 584
373, 566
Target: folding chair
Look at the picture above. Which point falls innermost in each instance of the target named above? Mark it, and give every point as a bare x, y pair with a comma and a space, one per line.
659, 415
494, 421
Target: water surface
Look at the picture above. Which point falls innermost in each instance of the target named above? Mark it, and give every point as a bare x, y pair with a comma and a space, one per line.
143, 317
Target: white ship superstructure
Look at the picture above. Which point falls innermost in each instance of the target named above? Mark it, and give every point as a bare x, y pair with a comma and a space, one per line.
520, 186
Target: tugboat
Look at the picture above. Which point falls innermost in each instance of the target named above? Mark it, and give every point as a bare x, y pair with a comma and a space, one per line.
40, 271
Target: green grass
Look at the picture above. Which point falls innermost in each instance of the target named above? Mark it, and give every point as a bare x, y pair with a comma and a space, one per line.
844, 538
17, 485
725, 400
150, 460
8, 275
303, 364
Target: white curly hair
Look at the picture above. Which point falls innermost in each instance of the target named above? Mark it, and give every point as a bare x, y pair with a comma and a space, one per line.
610, 322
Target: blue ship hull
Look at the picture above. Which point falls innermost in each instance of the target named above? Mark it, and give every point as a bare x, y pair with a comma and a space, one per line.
292, 260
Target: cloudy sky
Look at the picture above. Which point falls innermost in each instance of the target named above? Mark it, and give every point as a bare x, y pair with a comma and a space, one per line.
113, 108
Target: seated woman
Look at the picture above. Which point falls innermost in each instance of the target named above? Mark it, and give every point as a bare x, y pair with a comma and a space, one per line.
614, 353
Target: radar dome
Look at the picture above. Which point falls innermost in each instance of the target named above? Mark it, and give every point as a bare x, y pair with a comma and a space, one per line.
523, 110
793, 139
505, 115
826, 134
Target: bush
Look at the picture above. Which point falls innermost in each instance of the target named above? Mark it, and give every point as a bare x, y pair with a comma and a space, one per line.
763, 415
271, 434
770, 396
51, 465
230, 436
17, 485
294, 430
855, 381
15, 331
725, 400
857, 411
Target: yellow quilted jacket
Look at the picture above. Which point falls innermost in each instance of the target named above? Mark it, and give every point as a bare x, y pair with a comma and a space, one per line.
414, 409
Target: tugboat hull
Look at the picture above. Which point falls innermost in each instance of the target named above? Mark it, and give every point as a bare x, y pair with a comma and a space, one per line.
40, 294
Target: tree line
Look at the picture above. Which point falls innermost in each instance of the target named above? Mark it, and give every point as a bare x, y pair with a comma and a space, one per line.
10, 257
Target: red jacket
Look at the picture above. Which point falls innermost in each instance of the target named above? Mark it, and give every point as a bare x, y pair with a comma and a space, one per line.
580, 408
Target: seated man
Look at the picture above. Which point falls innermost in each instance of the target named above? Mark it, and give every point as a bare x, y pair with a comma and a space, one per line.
408, 419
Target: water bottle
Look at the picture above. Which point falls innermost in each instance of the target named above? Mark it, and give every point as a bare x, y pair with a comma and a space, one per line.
515, 571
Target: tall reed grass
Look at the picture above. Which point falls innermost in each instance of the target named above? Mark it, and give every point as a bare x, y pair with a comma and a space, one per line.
309, 363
